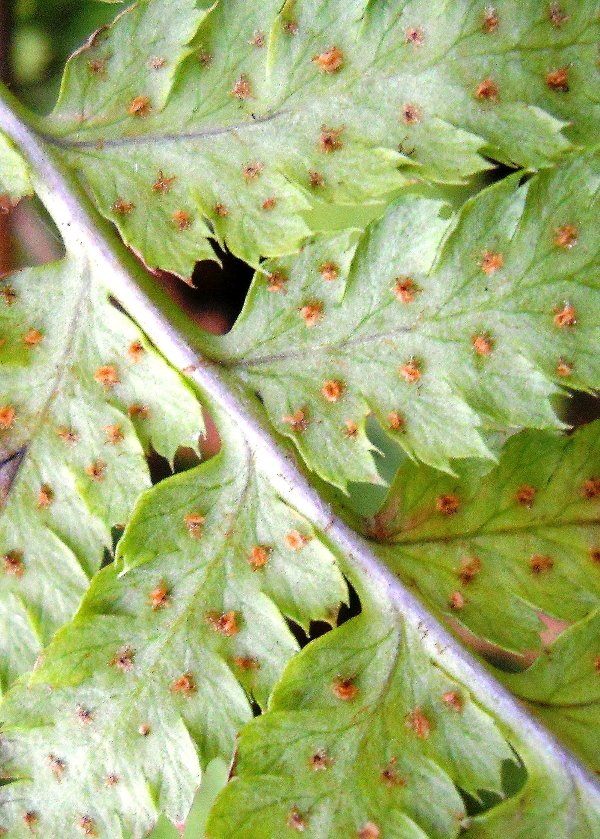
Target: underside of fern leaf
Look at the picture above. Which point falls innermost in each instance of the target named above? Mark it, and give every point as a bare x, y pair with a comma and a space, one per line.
126, 670
236, 119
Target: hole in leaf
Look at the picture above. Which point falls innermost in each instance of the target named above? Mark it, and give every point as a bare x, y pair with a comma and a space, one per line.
514, 777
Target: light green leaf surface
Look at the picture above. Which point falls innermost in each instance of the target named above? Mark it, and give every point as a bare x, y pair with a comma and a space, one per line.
320, 99
82, 398
391, 753
563, 687
176, 636
551, 804
442, 326
523, 538
522, 544
15, 182
361, 768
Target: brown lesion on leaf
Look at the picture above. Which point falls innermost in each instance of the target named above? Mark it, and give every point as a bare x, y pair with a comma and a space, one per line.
329, 61
246, 663
290, 26
541, 563
157, 62
140, 107
390, 776
591, 488
556, 15
320, 761
448, 504
138, 411
33, 338
525, 495
259, 556
136, 351
330, 139
242, 89
269, 203
329, 271
30, 820
112, 780
67, 435
88, 826
96, 470
252, 170
456, 601
194, 523
204, 58
258, 39
182, 220
411, 113
97, 67
57, 766
396, 421
298, 420
350, 429
482, 344
123, 659
333, 390
296, 540
345, 688
564, 369
595, 555
419, 723
487, 91
144, 730
296, 820
45, 496
566, 317
223, 624
122, 207
566, 237
411, 371
7, 417
8, 294
221, 210
84, 715
405, 289
311, 312
114, 434
470, 568
163, 183
491, 261
558, 80
184, 684
315, 179
276, 281
415, 35
13, 564
491, 20
454, 700
159, 596
107, 375
369, 830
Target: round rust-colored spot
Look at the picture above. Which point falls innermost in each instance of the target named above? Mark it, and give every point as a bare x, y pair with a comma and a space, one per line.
333, 390
344, 688
540, 563
558, 80
448, 504
419, 723
139, 107
488, 91
329, 61
298, 420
